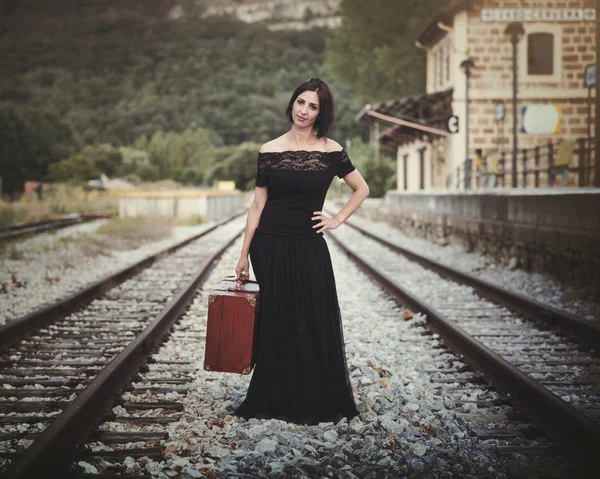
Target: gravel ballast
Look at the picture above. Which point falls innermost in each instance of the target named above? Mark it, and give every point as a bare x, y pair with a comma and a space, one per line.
406, 425
540, 287
48, 267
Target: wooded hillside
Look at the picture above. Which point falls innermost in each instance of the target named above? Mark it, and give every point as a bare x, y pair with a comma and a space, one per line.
82, 79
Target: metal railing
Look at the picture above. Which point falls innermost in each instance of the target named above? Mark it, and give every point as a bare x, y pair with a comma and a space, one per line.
565, 163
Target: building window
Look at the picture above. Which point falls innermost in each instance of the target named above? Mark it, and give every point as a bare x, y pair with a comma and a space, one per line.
540, 54
447, 58
440, 63
434, 55
441, 67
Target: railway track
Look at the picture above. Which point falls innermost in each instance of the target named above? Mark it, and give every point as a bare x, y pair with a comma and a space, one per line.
23, 229
544, 360
137, 435
143, 436
60, 375
64, 408
15, 329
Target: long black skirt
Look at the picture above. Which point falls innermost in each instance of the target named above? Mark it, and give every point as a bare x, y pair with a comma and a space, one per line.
301, 373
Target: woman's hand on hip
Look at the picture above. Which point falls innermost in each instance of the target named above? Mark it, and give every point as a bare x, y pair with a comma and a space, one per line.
242, 270
325, 223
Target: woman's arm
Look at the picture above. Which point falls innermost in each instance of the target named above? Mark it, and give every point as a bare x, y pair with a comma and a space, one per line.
258, 203
360, 191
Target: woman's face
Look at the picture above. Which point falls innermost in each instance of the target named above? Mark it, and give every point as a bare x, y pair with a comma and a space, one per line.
306, 109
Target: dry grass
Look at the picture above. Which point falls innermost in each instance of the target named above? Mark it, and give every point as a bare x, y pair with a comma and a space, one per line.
161, 185
63, 200
192, 220
128, 233
116, 234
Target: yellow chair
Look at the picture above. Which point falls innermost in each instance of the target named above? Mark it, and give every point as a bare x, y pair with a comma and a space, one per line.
492, 163
565, 156
564, 160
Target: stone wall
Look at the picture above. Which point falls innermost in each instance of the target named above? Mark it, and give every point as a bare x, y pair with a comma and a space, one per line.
491, 81
469, 35
548, 231
212, 206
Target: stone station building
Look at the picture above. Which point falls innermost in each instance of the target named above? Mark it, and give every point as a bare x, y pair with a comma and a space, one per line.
557, 44
546, 229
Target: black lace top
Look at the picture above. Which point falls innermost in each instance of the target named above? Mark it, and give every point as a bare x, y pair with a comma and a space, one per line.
297, 183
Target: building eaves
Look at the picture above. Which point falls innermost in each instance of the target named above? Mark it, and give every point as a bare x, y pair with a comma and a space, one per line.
424, 108
445, 17
410, 116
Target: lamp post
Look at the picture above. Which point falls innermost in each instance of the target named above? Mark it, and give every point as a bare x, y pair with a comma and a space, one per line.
466, 66
516, 32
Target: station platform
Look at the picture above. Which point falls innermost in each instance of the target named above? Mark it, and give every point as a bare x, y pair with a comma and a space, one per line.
552, 231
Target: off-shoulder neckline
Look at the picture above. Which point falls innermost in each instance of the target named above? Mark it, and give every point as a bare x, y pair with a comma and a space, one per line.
300, 151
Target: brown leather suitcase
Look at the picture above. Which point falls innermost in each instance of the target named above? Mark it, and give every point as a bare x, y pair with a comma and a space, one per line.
231, 332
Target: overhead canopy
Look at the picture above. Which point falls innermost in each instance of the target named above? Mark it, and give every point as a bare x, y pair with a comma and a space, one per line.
424, 114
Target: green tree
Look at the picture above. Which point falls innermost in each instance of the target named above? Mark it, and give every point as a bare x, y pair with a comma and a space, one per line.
175, 155
374, 49
29, 142
149, 173
132, 78
133, 159
76, 168
376, 166
105, 158
234, 163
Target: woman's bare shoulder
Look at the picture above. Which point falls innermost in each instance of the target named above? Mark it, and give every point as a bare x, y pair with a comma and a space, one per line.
276, 145
332, 145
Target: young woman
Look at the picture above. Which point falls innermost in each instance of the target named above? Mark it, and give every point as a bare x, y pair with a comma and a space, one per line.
301, 373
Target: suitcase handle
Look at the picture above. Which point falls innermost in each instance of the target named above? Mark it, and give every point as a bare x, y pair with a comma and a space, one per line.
238, 285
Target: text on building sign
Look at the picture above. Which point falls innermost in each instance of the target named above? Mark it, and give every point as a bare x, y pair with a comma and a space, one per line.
537, 14
453, 124
590, 76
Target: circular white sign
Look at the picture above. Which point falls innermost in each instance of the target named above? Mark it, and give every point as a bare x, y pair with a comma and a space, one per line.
453, 124
541, 119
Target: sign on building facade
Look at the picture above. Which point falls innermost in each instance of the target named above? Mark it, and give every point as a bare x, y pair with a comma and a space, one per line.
453, 124
538, 14
541, 119
590, 76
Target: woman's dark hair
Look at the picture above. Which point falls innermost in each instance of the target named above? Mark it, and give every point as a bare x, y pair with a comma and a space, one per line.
325, 118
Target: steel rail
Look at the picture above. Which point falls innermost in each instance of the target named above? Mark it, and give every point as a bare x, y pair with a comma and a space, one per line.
22, 229
33, 224
577, 328
16, 329
561, 422
55, 449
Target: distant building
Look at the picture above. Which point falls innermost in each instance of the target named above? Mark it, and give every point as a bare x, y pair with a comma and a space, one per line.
225, 185
31, 187
108, 184
280, 14
556, 47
